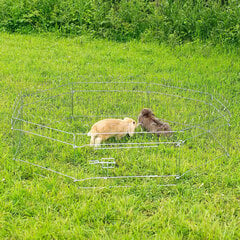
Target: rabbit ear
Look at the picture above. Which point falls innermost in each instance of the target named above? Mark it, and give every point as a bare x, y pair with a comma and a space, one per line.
146, 112
127, 119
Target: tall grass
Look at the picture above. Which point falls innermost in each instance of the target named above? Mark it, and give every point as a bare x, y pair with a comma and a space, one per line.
165, 20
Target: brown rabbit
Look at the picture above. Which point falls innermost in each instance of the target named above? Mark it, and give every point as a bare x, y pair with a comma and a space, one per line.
152, 124
108, 128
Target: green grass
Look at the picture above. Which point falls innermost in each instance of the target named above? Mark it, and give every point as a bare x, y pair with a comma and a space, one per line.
205, 206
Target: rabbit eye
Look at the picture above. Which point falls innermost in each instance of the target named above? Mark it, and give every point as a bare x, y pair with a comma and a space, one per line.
134, 122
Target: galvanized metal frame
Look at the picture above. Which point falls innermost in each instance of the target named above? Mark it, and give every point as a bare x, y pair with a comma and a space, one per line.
18, 116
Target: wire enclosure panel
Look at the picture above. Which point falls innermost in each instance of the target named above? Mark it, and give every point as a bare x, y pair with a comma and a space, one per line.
51, 127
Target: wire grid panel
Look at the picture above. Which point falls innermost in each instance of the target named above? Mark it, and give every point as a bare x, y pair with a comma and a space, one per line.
51, 127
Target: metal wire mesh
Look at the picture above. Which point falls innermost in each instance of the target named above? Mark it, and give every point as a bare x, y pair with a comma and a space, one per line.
51, 127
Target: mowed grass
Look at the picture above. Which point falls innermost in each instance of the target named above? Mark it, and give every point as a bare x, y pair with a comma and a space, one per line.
202, 206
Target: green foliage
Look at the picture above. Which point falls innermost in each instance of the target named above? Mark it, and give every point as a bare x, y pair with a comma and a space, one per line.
165, 20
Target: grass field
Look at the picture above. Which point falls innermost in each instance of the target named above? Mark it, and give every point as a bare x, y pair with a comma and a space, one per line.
199, 207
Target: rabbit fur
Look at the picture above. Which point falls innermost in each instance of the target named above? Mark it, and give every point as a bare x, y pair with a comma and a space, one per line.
149, 122
107, 128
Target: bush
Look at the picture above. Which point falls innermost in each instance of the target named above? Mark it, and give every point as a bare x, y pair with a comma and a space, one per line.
165, 20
